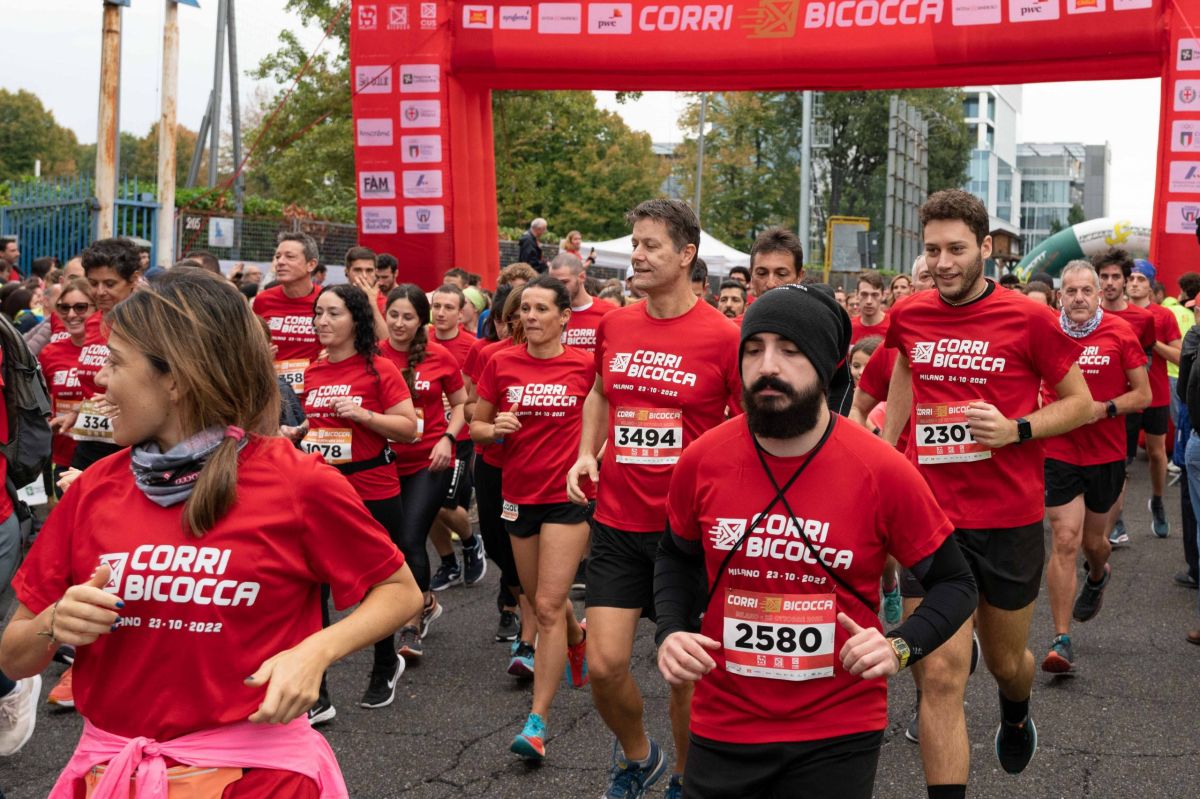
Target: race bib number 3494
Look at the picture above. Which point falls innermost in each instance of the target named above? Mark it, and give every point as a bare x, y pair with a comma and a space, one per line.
648, 436
779, 636
943, 435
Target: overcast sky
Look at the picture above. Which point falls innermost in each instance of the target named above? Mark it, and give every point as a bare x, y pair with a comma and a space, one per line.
56, 55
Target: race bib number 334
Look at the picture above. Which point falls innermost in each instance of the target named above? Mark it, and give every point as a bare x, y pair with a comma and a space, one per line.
648, 436
779, 636
943, 435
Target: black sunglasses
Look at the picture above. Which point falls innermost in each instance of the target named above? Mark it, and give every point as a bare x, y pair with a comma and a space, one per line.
80, 308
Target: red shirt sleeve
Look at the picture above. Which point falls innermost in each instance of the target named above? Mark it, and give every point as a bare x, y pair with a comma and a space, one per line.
1132, 354
343, 544
891, 339
392, 388
486, 388
45, 575
1166, 325
877, 374
453, 381
681, 497
915, 523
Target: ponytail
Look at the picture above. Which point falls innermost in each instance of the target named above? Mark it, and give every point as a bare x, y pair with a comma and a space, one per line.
216, 487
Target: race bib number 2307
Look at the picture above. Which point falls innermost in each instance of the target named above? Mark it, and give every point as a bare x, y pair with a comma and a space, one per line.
943, 435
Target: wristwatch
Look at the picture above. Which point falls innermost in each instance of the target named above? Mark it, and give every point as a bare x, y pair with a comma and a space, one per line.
1110, 409
1024, 430
900, 647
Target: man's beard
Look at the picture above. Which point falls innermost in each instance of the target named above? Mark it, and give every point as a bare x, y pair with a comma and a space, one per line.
970, 277
791, 416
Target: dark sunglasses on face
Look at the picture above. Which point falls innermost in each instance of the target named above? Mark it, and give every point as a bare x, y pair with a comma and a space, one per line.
80, 308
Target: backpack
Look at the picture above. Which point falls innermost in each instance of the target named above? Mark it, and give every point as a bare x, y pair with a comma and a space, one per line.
28, 403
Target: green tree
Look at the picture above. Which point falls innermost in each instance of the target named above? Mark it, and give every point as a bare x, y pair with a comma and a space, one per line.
1076, 214
752, 156
560, 157
29, 133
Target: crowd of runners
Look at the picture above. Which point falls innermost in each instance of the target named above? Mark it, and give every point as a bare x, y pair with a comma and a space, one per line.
807, 490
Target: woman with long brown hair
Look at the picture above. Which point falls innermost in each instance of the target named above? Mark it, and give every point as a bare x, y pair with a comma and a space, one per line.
195, 558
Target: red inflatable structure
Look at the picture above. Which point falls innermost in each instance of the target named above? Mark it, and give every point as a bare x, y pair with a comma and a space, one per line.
423, 72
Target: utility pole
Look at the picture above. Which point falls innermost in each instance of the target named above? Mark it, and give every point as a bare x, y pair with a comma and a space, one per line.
166, 135
214, 143
235, 112
700, 158
106, 135
805, 220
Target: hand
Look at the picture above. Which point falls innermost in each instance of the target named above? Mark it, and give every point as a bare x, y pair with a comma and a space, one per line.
68, 477
63, 422
867, 653
349, 409
506, 423
587, 467
292, 679
990, 427
294, 434
85, 611
103, 406
442, 456
366, 284
682, 659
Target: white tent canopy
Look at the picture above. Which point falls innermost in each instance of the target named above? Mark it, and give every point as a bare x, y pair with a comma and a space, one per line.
719, 256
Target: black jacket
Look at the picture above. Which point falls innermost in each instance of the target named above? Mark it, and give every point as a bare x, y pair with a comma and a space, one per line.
1187, 387
531, 253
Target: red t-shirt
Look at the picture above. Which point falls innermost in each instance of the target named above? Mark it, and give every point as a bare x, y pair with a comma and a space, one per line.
460, 347
292, 331
436, 376
999, 349
203, 613
60, 365
93, 356
875, 380
859, 331
471, 367
1166, 330
492, 454
1142, 322
861, 501
667, 381
1108, 353
581, 330
340, 440
58, 331
548, 394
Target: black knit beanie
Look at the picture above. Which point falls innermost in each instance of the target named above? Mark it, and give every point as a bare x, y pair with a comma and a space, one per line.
809, 318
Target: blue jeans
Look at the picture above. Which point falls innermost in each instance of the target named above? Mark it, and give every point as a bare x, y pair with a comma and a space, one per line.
1193, 479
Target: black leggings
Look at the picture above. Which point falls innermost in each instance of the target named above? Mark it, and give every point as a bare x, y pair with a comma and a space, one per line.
491, 527
423, 493
390, 514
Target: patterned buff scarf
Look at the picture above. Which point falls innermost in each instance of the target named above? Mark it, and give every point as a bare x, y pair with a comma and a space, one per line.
1080, 330
167, 478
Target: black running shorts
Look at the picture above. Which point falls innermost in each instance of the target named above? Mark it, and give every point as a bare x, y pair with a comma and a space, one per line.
1100, 485
1152, 420
831, 768
620, 569
1006, 563
530, 518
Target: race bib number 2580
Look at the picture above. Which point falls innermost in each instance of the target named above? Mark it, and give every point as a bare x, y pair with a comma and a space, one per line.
779, 636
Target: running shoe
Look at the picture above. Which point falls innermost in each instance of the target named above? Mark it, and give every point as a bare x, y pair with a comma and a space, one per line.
1158, 518
509, 628
893, 607
627, 780
431, 613
913, 731
410, 644
1091, 597
447, 575
18, 714
675, 787
474, 562
580, 581
61, 693
521, 662
1059, 660
1118, 537
1015, 745
1185, 579
323, 711
381, 689
530, 743
65, 654
577, 673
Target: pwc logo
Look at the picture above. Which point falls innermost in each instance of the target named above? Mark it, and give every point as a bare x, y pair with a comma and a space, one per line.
610, 18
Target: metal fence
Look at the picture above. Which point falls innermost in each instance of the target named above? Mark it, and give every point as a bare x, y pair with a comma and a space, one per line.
252, 238
59, 217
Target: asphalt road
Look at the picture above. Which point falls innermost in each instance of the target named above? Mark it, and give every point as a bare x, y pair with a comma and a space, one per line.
1125, 726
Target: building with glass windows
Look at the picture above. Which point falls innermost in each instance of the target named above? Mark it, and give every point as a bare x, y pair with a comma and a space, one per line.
992, 173
1059, 176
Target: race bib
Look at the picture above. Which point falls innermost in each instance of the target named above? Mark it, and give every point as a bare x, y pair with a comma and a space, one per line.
63, 407
943, 435
331, 443
779, 636
292, 373
648, 436
508, 511
91, 424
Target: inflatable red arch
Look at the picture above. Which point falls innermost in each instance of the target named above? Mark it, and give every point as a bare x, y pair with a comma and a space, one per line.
423, 72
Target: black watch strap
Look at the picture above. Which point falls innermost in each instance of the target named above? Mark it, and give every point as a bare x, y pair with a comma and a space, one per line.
1110, 409
1024, 430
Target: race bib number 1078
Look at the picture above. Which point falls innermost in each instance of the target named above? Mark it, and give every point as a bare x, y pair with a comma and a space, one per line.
331, 443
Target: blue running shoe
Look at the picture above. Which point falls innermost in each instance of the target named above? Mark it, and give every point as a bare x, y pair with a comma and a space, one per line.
530, 743
1015, 745
521, 662
629, 780
675, 787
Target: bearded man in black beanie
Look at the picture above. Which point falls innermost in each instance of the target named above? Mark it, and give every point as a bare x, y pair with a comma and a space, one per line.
792, 511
